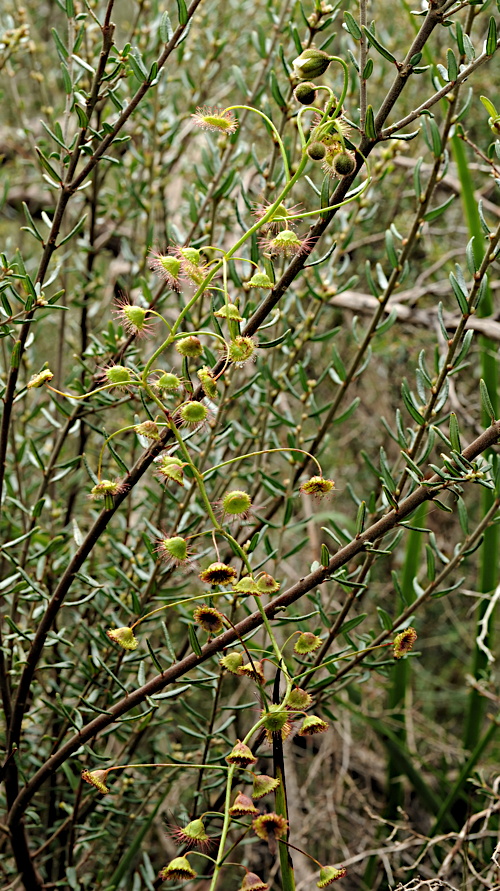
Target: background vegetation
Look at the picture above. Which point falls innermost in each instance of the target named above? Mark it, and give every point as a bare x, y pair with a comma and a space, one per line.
375, 354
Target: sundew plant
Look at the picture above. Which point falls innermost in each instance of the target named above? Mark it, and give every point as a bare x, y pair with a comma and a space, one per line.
249, 467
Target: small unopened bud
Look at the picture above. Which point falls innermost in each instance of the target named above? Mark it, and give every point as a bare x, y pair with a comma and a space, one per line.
192, 835
267, 584
148, 429
247, 585
209, 618
253, 670
316, 151
330, 874
96, 778
241, 755
193, 413
236, 503
242, 806
218, 574
305, 93
311, 63
179, 869
344, 163
189, 346
118, 375
403, 642
168, 381
171, 468
241, 349
312, 725
232, 662
123, 636
253, 882
38, 380
263, 784
229, 312
307, 642
208, 382
299, 699
260, 280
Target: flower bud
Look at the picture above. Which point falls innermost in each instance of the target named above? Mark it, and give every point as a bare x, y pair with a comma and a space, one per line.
253, 670
208, 618
344, 163
299, 699
311, 725
218, 574
260, 280
241, 755
38, 380
242, 806
230, 311
124, 637
252, 882
311, 63
263, 784
266, 584
96, 778
192, 835
118, 375
330, 874
174, 548
179, 869
193, 413
307, 642
189, 346
276, 721
171, 468
168, 381
247, 585
305, 93
216, 119
148, 429
241, 349
403, 642
316, 151
232, 662
236, 503
208, 382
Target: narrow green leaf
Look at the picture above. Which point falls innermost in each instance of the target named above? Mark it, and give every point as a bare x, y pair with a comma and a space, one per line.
452, 66
352, 26
360, 518
367, 70
182, 12
375, 42
432, 215
462, 299
79, 226
490, 108
276, 92
193, 640
325, 555
370, 130
491, 40
486, 401
54, 175
390, 249
166, 30
410, 405
454, 433
61, 49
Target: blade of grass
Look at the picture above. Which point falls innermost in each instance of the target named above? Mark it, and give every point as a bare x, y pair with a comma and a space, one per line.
488, 575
